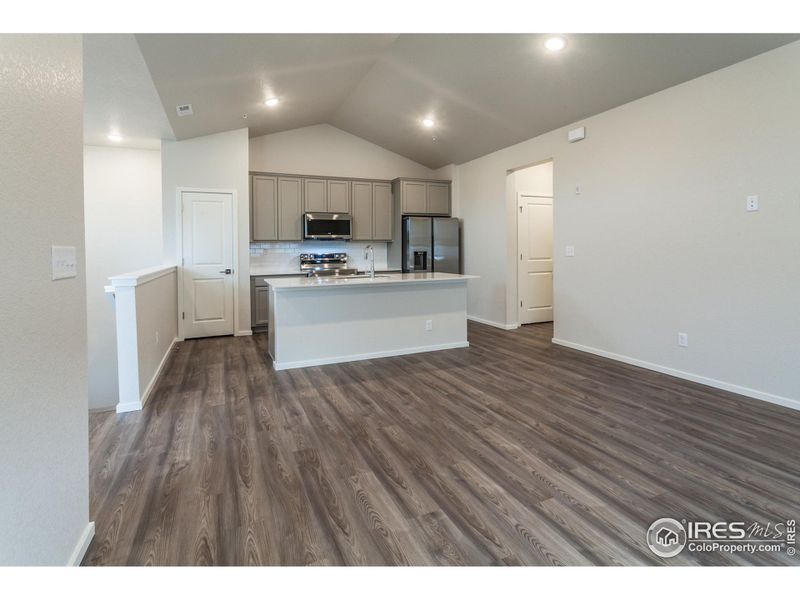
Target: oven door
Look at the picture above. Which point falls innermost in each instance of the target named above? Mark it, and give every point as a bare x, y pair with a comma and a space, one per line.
327, 226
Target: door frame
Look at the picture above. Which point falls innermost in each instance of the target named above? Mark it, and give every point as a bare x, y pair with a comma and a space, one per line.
519, 195
518, 295
179, 191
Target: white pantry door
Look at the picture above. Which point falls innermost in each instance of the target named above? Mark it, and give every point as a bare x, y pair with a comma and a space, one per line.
207, 221
535, 258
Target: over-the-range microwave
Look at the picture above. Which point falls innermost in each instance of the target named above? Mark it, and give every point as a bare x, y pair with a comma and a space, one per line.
327, 226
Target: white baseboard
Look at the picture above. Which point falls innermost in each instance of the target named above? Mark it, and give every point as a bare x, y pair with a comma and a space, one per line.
133, 406
82, 546
493, 323
128, 407
722, 385
315, 362
243, 332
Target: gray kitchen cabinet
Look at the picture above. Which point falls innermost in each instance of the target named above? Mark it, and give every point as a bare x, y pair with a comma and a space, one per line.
423, 196
438, 198
362, 210
382, 212
338, 196
315, 197
263, 208
259, 305
372, 211
290, 209
413, 197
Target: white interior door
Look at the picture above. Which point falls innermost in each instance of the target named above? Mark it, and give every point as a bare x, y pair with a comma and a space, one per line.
207, 227
535, 238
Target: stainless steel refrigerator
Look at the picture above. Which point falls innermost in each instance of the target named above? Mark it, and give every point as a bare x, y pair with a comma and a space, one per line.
431, 244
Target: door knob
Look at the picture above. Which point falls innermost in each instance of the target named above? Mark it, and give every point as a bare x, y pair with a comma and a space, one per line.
227, 271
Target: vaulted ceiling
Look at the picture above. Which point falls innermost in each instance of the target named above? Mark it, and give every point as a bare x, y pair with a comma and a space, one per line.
484, 91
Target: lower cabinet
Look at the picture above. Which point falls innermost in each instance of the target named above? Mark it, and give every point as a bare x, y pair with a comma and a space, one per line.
259, 303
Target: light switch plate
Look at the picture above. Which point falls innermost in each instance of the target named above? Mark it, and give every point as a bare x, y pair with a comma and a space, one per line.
752, 203
569, 251
64, 262
683, 340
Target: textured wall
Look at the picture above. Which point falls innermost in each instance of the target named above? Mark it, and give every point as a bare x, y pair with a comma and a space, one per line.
44, 494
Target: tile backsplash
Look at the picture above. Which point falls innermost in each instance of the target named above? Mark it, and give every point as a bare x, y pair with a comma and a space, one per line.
284, 257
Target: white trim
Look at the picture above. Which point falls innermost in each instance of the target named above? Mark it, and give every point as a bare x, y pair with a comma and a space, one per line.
133, 406
504, 326
82, 546
153, 380
140, 277
244, 332
715, 383
125, 407
179, 249
369, 355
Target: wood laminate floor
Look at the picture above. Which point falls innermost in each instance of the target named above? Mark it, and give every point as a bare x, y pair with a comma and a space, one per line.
510, 452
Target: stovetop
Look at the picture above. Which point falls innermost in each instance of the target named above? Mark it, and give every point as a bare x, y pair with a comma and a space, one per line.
333, 263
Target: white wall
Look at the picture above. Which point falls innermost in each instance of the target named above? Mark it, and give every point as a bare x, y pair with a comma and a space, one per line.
44, 494
218, 161
156, 324
122, 203
663, 243
326, 150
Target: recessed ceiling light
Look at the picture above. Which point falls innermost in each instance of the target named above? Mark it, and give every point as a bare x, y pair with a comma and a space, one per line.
428, 122
115, 137
272, 102
555, 44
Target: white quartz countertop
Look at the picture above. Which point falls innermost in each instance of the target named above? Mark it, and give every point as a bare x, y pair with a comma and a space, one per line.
271, 272
381, 279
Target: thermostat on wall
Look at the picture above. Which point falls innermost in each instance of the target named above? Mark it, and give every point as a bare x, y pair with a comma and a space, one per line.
576, 135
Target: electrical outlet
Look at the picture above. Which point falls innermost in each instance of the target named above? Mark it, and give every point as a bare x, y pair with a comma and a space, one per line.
752, 203
569, 251
683, 340
429, 325
577, 189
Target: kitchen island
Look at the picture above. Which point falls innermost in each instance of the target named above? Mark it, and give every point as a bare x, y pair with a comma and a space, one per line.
325, 320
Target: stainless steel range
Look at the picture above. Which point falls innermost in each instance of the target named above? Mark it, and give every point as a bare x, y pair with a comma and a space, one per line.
325, 265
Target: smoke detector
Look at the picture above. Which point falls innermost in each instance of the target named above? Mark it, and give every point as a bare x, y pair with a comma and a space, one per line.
184, 110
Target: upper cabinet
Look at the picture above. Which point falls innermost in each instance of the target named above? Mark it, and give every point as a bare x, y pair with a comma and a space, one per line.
326, 195
263, 208
290, 209
372, 210
277, 204
338, 196
423, 197
438, 198
275, 208
383, 212
316, 195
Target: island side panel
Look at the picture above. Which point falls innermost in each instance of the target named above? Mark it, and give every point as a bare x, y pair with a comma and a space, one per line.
332, 324
271, 330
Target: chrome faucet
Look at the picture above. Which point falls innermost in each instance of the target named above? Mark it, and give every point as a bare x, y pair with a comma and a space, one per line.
369, 254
